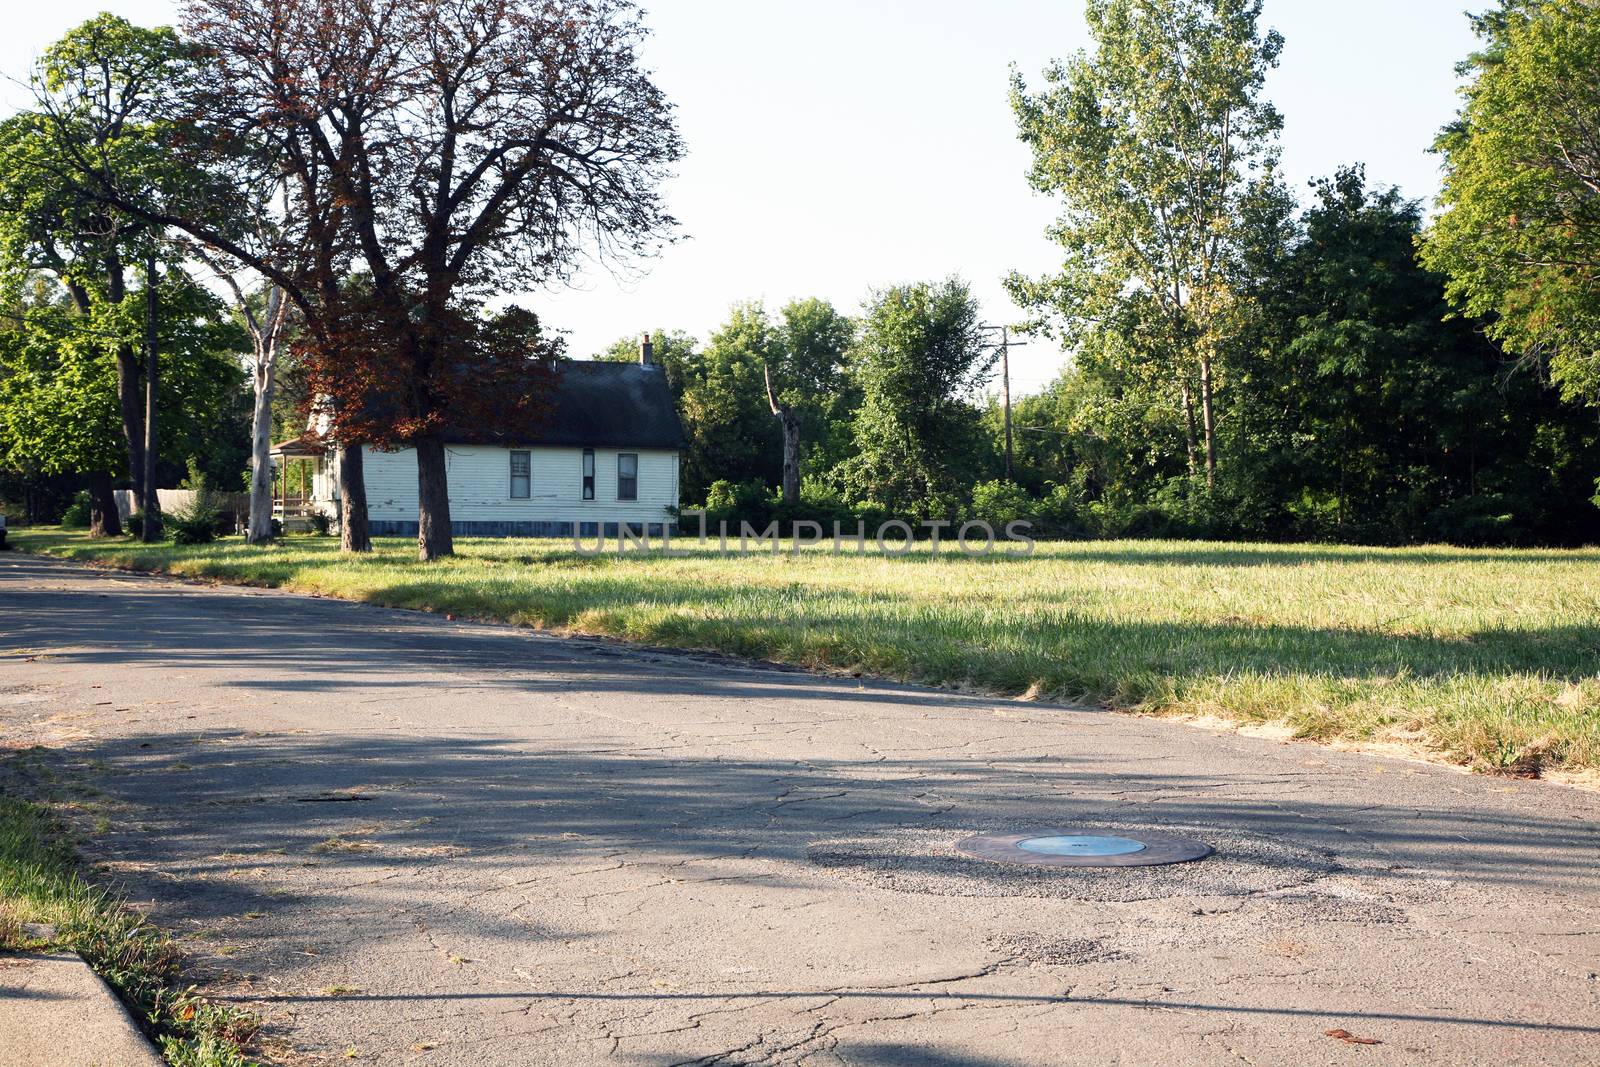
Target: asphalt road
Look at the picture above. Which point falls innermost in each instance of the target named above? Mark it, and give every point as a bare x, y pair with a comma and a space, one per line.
406, 840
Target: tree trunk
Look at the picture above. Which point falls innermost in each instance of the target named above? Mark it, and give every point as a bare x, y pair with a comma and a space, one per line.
791, 456
1208, 421
104, 519
791, 440
1189, 438
433, 501
355, 535
151, 531
265, 380
128, 382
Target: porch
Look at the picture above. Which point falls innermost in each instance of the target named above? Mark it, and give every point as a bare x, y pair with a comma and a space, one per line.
299, 481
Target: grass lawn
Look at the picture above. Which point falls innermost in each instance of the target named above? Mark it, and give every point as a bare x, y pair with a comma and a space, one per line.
1488, 657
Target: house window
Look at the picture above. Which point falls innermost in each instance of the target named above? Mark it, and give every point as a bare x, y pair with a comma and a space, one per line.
588, 474
627, 476
521, 475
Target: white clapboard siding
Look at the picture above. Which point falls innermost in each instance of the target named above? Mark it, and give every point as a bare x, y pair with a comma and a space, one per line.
480, 485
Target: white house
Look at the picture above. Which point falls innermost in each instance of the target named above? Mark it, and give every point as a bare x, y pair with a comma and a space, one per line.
605, 454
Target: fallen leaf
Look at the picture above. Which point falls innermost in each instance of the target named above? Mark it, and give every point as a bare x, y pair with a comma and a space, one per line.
1351, 1039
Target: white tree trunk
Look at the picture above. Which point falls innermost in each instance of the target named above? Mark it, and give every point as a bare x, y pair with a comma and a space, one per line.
267, 339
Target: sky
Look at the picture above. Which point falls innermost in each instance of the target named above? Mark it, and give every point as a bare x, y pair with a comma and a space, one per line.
838, 146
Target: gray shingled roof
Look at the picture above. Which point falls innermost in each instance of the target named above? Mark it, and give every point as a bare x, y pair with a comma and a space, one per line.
605, 405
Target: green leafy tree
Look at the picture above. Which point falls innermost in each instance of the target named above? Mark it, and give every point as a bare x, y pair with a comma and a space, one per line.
1358, 411
1364, 415
736, 438
1162, 152
59, 410
58, 403
753, 366
1519, 236
103, 94
802, 376
918, 362
1084, 437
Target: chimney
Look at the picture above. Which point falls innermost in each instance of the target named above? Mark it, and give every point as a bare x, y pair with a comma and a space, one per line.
647, 352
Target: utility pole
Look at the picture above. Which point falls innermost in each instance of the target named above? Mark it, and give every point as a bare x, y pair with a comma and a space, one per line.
1005, 346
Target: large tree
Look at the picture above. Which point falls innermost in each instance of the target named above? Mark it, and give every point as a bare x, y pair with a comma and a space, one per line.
59, 410
802, 373
1365, 413
724, 404
1359, 411
471, 148
103, 94
265, 317
1519, 236
1162, 151
918, 362
435, 154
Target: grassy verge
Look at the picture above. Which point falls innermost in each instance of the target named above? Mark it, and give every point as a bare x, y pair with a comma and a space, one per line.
1486, 657
40, 883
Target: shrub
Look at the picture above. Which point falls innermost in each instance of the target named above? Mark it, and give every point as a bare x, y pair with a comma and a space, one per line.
77, 513
196, 522
734, 503
1056, 515
200, 520
998, 503
1060, 514
189, 529
135, 524
819, 502
319, 522
1482, 519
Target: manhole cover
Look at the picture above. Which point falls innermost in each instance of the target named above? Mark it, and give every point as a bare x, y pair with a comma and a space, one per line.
1081, 846
1054, 848
928, 859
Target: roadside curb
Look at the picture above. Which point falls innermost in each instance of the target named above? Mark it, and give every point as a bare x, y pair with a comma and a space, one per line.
56, 1012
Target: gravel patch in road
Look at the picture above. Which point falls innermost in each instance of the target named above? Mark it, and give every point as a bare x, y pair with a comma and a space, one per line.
926, 861
1057, 951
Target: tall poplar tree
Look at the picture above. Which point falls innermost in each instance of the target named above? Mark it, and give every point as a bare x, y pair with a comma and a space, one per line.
1163, 154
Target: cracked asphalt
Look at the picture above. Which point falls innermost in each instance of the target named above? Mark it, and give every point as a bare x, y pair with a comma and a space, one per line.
409, 840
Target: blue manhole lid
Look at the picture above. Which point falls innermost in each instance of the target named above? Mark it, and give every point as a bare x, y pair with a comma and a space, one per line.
1063, 848
1072, 845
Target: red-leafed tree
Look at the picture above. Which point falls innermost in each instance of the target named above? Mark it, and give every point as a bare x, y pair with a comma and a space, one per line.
467, 147
431, 153
493, 379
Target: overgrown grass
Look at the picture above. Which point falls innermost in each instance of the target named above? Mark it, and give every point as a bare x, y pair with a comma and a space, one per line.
1488, 657
40, 883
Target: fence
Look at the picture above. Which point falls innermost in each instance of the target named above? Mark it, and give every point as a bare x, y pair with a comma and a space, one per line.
236, 505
